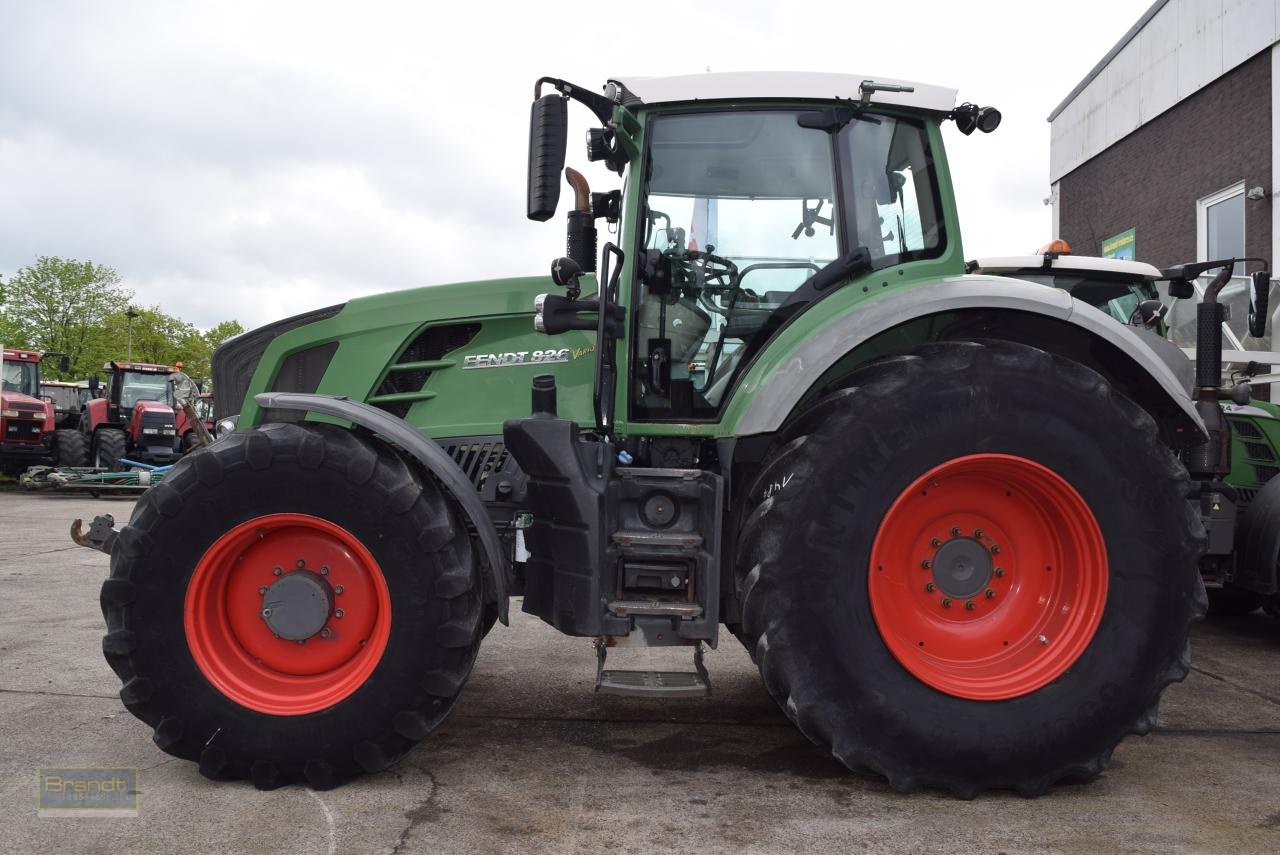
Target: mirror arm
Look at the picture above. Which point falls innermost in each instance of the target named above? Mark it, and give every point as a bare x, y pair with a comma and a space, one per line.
598, 104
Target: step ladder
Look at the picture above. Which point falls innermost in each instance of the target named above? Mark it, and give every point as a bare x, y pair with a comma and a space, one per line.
653, 684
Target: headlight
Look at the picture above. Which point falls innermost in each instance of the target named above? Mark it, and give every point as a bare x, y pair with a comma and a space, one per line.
227, 425
39, 416
10, 414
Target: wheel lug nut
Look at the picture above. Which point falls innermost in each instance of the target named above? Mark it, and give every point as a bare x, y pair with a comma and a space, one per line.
955, 531
946, 604
337, 589
968, 605
935, 543
302, 641
995, 549
324, 571
326, 632
262, 589
999, 572
977, 532
926, 564
277, 570
991, 594
301, 563
338, 613
930, 587
266, 612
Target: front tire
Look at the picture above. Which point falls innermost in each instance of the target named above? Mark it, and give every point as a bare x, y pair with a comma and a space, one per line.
304, 696
110, 445
69, 448
1020, 489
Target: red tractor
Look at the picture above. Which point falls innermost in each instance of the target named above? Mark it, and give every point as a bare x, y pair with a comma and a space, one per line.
131, 418
26, 422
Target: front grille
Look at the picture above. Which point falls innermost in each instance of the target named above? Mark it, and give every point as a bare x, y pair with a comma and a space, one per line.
157, 420
235, 361
1259, 451
25, 408
1245, 428
479, 460
1265, 473
300, 372
22, 430
431, 343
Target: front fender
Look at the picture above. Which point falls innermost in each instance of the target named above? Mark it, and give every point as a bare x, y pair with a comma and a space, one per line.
774, 388
426, 452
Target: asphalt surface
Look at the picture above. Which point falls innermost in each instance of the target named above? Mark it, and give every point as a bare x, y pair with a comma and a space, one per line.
533, 761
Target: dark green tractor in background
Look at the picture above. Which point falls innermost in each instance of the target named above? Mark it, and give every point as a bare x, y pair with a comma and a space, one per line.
955, 519
1239, 569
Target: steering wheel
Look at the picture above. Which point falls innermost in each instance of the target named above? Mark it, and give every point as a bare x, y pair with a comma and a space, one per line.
700, 270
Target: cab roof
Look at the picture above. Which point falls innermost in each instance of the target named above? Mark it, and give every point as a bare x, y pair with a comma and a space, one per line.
22, 355
797, 85
142, 367
1064, 264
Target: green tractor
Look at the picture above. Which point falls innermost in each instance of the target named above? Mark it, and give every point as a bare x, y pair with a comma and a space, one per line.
781, 407
1243, 508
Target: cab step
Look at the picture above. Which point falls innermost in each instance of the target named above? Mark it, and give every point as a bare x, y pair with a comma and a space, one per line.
653, 684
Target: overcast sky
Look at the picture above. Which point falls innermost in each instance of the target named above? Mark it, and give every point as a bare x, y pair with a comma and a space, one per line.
254, 160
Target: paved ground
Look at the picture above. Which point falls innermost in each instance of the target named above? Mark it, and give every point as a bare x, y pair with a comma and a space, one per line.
532, 761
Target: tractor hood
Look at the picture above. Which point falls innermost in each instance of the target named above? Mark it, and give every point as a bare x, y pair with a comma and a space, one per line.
454, 359
11, 400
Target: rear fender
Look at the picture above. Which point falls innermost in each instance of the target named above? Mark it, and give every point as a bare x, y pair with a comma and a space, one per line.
426, 452
1044, 317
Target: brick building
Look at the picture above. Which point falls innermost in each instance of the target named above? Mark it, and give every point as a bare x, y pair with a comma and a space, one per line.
1166, 150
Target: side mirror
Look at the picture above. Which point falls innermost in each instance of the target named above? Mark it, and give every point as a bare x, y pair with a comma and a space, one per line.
1259, 293
64, 364
1181, 289
548, 133
94, 385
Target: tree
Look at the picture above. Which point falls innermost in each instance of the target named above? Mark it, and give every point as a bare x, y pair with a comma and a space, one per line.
60, 305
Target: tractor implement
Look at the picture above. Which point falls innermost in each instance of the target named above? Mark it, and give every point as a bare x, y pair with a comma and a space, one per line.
947, 514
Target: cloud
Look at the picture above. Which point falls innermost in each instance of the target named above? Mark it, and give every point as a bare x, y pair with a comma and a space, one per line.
255, 160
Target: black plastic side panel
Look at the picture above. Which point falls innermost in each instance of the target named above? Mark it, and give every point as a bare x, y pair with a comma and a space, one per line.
566, 495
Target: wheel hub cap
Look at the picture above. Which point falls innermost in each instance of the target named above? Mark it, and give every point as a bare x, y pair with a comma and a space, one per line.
298, 605
962, 567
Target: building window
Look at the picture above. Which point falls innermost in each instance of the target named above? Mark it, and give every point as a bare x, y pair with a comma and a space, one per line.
1220, 225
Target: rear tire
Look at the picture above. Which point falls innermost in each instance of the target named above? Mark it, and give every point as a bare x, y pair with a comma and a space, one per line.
110, 445
416, 590
872, 663
69, 448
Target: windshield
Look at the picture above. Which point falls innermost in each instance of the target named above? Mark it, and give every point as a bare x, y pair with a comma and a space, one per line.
136, 387
64, 397
1117, 296
22, 377
742, 208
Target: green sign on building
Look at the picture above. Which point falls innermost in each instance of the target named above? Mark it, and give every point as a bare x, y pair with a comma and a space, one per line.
1122, 246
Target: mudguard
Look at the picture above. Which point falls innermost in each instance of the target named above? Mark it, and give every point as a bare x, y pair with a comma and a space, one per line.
426, 452
775, 394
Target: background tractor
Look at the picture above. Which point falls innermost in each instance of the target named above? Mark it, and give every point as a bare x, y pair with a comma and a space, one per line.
26, 419
1244, 508
955, 519
131, 417
68, 401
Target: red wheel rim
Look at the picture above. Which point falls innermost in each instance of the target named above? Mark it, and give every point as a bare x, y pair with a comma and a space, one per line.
988, 577
238, 651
